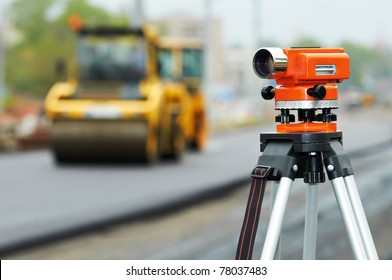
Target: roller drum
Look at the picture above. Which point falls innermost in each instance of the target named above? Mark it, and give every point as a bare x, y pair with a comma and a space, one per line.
99, 140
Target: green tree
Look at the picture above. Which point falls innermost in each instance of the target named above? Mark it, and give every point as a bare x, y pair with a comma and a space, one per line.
44, 40
24, 62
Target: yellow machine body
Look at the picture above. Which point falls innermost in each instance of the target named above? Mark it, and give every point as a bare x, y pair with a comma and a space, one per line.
139, 101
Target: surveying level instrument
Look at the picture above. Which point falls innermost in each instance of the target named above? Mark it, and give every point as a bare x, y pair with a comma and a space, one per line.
305, 148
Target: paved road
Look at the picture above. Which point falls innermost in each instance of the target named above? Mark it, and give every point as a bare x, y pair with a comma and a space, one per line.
39, 199
210, 230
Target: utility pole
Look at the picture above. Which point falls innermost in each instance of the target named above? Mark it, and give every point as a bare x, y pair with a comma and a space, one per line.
257, 16
137, 14
2, 54
207, 47
257, 40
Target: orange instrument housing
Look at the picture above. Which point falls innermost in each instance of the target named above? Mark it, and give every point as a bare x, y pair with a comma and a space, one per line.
303, 62
306, 79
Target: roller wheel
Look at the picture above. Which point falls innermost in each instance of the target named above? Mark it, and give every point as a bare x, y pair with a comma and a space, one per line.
153, 150
178, 143
201, 133
177, 140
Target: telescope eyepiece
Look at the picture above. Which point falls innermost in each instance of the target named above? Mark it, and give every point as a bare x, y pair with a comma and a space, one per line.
269, 61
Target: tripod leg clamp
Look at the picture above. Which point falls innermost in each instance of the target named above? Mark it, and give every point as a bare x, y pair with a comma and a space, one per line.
337, 161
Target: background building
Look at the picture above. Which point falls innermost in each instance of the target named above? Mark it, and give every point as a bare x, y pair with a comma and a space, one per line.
231, 86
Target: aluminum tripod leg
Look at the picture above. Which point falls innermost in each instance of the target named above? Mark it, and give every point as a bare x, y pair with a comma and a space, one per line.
276, 220
360, 216
311, 216
343, 200
274, 191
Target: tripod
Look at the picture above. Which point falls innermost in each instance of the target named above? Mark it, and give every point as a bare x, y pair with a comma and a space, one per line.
287, 156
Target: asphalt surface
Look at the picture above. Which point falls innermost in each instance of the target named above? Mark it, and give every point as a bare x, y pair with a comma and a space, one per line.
40, 199
210, 229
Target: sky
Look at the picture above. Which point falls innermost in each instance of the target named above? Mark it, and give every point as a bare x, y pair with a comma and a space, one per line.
330, 22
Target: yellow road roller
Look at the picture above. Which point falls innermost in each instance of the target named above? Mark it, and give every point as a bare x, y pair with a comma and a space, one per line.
129, 96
